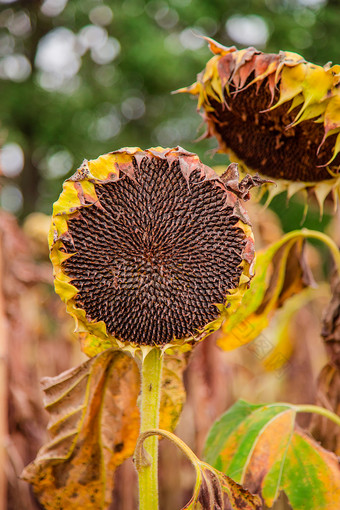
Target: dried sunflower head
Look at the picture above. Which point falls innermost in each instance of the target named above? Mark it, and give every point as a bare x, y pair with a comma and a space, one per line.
276, 114
150, 248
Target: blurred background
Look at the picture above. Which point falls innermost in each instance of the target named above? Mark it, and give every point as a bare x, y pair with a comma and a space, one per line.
80, 78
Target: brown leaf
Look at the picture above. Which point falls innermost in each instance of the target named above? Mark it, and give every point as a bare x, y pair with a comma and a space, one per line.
328, 394
94, 427
219, 492
241, 188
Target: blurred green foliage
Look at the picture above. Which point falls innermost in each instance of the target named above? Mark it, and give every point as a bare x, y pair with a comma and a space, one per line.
82, 77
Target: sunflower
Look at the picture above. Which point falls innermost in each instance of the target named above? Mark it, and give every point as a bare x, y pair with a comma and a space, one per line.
150, 248
276, 114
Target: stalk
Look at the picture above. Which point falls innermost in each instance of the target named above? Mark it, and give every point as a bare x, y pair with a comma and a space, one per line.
150, 402
315, 234
179, 443
309, 408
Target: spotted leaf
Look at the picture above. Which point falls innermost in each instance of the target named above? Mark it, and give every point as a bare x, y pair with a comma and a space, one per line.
261, 447
219, 491
94, 424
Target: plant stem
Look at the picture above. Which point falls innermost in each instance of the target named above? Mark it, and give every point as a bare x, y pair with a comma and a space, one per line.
309, 408
151, 386
315, 234
174, 439
180, 444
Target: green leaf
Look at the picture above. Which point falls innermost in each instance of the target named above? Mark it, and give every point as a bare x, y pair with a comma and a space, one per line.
222, 428
261, 447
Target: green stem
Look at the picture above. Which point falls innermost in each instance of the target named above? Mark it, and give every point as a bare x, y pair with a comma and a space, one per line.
169, 435
309, 408
150, 402
140, 455
315, 234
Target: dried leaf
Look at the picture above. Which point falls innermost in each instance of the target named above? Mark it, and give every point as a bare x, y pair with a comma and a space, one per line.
94, 426
217, 491
231, 179
261, 447
328, 393
280, 272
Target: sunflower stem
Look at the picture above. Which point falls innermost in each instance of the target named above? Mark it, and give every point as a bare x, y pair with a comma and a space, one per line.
315, 234
150, 402
310, 408
179, 443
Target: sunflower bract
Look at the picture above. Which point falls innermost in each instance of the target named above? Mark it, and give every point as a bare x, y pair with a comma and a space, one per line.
149, 247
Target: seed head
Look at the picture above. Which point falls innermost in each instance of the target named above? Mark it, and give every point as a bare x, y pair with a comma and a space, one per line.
276, 114
149, 246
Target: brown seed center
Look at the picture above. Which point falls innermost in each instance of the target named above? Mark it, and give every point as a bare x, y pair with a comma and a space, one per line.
157, 255
264, 140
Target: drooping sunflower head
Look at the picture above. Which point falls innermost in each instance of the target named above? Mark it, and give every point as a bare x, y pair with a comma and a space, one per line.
276, 114
150, 247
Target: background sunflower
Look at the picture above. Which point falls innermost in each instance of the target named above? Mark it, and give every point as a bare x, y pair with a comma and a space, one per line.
276, 114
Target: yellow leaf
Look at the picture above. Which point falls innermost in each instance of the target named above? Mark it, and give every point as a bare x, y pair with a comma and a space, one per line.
172, 393
315, 86
280, 272
94, 425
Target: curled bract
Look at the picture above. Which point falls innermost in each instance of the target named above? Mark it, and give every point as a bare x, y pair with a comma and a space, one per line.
276, 114
149, 248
